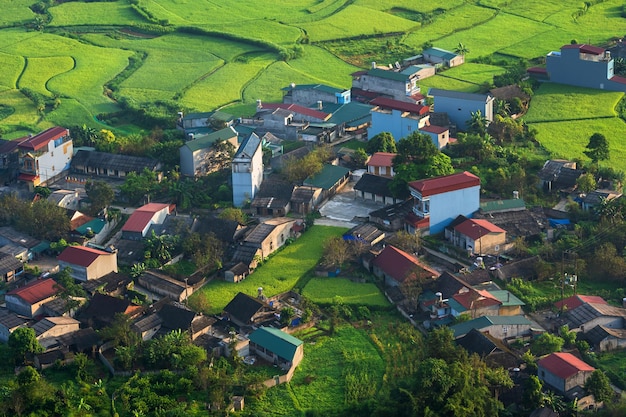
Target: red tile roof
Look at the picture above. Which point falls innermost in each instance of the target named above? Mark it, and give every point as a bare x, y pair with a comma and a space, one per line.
297, 109
586, 49
36, 291
416, 221
576, 301
473, 299
476, 228
381, 159
27, 177
418, 96
141, 217
564, 365
399, 265
439, 185
39, 141
391, 104
437, 130
618, 79
80, 255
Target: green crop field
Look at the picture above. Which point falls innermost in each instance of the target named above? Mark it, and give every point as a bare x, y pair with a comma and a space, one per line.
280, 273
93, 13
15, 11
324, 290
39, 71
556, 102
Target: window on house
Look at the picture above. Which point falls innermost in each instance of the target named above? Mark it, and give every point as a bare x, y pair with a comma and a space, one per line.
408, 128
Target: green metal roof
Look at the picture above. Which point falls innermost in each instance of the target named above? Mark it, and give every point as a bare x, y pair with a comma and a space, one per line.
96, 226
349, 112
441, 53
222, 116
206, 141
320, 87
276, 341
486, 321
327, 177
192, 116
456, 306
388, 74
506, 298
514, 203
40, 247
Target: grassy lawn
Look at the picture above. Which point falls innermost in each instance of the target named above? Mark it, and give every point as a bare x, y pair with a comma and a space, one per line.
280, 273
321, 64
443, 82
12, 67
558, 102
324, 290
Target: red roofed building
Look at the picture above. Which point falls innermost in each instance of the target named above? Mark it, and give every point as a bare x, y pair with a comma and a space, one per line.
302, 112
397, 117
44, 157
441, 199
478, 236
478, 303
439, 135
563, 371
138, 224
381, 164
396, 266
576, 301
87, 263
29, 300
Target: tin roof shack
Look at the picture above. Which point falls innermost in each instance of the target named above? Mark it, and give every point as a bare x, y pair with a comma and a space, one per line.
102, 309
9, 321
48, 328
330, 179
165, 286
10, 267
272, 234
244, 310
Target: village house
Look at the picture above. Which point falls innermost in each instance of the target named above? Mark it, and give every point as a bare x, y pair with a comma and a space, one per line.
590, 314
102, 309
513, 217
10, 267
563, 371
392, 217
9, 321
439, 200
9, 163
396, 266
308, 95
110, 165
381, 164
138, 224
273, 197
440, 57
51, 327
499, 327
604, 339
247, 170
593, 199
165, 286
29, 300
272, 234
395, 83
202, 155
559, 174
477, 236
305, 199
16, 240
276, 347
375, 188
45, 157
459, 106
584, 66
396, 117
331, 179
87, 263
244, 310
67, 199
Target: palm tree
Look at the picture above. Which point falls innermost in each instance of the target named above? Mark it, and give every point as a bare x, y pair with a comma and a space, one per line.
461, 49
477, 123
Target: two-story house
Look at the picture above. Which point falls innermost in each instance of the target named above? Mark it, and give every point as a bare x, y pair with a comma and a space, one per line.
439, 200
478, 236
563, 371
44, 157
87, 263
310, 94
396, 117
247, 170
399, 84
202, 155
459, 106
138, 224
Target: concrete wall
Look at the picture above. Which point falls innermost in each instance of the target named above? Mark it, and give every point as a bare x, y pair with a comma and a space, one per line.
19, 306
460, 110
247, 177
55, 161
573, 68
445, 207
399, 124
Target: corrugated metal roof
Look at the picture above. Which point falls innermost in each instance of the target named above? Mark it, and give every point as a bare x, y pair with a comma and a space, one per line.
208, 140
327, 177
42, 139
80, 255
276, 341
564, 365
446, 183
36, 290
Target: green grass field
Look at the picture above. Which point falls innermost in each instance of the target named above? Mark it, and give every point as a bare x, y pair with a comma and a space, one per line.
93, 13
557, 102
39, 71
280, 273
324, 291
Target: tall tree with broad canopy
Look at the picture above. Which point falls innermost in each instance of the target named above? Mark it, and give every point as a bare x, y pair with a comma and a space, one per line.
599, 385
23, 342
417, 158
598, 148
101, 195
383, 142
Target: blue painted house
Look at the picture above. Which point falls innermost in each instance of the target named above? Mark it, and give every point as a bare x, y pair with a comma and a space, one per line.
396, 117
584, 66
459, 106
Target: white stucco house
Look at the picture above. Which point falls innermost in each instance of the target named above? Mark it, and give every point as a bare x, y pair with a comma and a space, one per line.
247, 170
44, 157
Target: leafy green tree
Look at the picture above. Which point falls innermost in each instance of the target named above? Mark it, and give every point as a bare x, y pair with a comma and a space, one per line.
532, 397
599, 385
477, 123
598, 148
568, 336
22, 343
233, 214
546, 343
100, 194
586, 182
336, 251
440, 344
120, 331
383, 142
137, 186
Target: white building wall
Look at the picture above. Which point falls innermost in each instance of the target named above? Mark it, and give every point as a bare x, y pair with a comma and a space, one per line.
247, 176
55, 161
